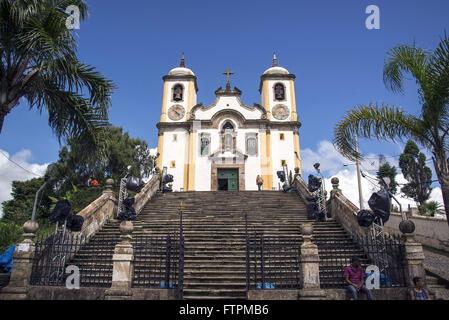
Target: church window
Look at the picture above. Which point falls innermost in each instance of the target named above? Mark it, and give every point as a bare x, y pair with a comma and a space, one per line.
283, 163
279, 92
204, 146
178, 93
172, 164
228, 142
175, 138
282, 136
228, 126
252, 146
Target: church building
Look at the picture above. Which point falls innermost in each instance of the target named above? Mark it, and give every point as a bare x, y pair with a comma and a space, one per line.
226, 145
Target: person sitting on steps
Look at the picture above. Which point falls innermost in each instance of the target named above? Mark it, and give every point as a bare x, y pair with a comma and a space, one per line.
355, 277
418, 292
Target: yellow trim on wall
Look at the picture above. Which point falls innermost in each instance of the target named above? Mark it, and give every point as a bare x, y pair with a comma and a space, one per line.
160, 149
186, 164
265, 160
164, 103
293, 100
266, 99
191, 101
192, 162
270, 163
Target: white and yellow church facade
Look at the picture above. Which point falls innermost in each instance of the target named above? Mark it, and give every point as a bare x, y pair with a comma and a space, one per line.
226, 145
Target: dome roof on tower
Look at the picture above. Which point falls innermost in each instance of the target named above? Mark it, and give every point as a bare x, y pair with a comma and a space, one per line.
181, 70
275, 69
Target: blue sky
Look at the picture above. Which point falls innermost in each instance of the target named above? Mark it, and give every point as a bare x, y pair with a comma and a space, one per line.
337, 61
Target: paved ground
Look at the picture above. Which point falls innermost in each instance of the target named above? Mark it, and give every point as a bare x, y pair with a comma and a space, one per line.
437, 262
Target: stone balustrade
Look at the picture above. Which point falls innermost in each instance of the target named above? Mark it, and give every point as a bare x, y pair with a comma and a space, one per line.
99, 212
146, 193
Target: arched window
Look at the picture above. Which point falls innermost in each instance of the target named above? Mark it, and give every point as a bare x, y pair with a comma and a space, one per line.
178, 93
228, 126
228, 137
279, 92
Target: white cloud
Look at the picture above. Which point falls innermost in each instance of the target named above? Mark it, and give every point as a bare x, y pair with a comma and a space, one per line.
332, 164
10, 172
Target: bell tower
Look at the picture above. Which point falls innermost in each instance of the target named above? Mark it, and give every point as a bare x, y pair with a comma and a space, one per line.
178, 98
277, 89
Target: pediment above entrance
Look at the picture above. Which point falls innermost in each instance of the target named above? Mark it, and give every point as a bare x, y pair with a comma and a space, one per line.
228, 157
228, 100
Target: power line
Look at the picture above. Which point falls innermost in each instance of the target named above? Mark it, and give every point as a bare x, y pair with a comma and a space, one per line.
7, 158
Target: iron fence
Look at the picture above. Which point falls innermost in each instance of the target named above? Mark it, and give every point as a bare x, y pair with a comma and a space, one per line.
53, 254
157, 261
387, 256
272, 262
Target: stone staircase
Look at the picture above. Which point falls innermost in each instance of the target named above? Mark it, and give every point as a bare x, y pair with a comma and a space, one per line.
215, 242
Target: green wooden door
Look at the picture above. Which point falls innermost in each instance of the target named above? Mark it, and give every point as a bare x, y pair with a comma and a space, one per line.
232, 176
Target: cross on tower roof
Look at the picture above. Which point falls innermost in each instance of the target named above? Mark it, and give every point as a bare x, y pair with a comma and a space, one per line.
228, 73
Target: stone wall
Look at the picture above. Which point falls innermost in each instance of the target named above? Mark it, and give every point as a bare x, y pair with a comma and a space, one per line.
97, 214
345, 212
331, 294
301, 187
146, 194
59, 293
431, 232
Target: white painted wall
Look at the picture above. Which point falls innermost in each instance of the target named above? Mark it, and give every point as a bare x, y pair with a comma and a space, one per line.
228, 103
175, 151
282, 150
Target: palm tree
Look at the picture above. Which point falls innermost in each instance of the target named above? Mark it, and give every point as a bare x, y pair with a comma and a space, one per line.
430, 128
39, 65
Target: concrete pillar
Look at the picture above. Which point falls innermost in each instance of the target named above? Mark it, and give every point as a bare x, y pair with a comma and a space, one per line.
310, 267
109, 190
414, 259
23, 256
122, 273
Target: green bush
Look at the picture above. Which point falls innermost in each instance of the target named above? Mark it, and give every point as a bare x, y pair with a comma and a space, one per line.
10, 234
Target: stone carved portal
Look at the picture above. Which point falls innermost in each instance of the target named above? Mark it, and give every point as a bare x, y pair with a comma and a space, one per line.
226, 168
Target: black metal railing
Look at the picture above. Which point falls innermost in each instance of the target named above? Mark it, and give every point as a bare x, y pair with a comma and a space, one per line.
156, 261
62, 249
387, 256
272, 262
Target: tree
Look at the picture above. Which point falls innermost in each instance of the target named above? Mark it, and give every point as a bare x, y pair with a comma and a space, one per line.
39, 65
419, 176
388, 171
75, 166
430, 129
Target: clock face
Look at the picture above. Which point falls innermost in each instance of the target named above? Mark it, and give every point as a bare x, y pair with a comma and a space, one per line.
176, 113
281, 112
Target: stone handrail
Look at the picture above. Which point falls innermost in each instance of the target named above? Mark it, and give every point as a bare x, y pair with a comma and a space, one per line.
301, 187
146, 194
99, 211
345, 212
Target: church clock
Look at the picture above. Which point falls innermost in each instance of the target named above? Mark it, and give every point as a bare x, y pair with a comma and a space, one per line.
176, 113
281, 112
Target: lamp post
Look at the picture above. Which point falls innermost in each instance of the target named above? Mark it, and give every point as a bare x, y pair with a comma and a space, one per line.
359, 178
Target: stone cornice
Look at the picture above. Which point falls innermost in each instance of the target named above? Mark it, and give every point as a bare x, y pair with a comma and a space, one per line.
182, 78
275, 77
209, 124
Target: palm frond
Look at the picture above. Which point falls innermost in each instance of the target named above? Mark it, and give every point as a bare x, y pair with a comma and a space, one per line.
406, 59
373, 121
